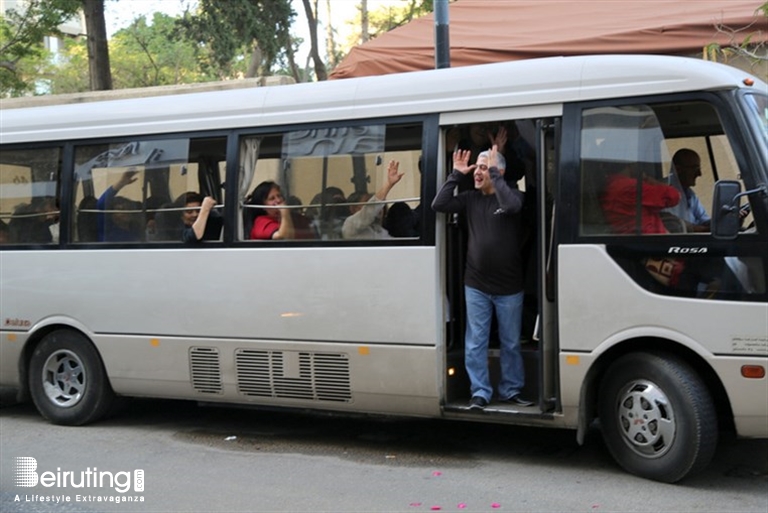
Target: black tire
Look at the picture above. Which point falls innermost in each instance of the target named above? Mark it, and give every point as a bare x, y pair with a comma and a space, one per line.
67, 379
657, 417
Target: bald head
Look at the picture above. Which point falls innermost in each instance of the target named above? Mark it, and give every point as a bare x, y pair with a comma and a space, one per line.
687, 166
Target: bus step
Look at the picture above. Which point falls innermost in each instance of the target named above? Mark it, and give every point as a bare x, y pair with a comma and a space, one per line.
494, 408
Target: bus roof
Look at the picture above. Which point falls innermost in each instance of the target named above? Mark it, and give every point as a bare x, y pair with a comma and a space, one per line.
554, 80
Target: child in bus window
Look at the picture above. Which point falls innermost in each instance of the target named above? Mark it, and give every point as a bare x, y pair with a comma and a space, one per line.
200, 220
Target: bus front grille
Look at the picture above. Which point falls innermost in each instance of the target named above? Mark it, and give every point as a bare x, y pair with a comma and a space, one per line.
293, 375
205, 370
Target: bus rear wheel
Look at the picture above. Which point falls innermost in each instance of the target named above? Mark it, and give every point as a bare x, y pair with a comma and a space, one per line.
657, 417
67, 380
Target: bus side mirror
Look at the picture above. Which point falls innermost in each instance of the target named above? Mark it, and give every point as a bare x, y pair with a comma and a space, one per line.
725, 210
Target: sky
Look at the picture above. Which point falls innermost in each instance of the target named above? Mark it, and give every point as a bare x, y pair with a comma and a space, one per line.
120, 13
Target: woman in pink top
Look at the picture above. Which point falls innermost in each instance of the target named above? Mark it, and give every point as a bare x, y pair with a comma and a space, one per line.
276, 223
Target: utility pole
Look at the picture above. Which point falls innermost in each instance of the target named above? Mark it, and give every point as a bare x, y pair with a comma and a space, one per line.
442, 39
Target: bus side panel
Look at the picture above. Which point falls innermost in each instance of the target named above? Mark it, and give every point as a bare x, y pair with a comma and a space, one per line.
148, 310
378, 295
748, 397
11, 348
370, 378
600, 306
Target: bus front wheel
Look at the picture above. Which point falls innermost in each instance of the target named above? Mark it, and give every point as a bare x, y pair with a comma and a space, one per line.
657, 416
67, 380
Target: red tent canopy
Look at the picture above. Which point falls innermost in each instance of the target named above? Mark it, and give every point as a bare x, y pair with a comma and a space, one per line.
484, 31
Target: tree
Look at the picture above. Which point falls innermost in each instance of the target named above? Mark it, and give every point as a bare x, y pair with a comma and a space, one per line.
235, 32
740, 42
330, 38
151, 55
69, 73
314, 52
98, 49
386, 18
142, 55
22, 34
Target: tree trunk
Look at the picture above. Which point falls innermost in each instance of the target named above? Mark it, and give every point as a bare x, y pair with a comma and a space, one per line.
330, 41
363, 21
292, 59
320, 70
98, 50
255, 63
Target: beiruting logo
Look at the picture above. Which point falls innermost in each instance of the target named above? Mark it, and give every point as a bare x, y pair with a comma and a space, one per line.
26, 476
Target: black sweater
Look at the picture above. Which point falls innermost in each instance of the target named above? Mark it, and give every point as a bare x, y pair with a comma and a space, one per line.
494, 264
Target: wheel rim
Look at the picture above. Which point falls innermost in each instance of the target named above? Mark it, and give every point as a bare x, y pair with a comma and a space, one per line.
646, 419
64, 378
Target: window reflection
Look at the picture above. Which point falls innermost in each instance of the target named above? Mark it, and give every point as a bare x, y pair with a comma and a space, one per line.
321, 175
29, 196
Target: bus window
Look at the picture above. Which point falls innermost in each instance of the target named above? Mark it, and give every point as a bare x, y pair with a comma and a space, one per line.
649, 171
29, 203
620, 169
172, 187
322, 173
134, 191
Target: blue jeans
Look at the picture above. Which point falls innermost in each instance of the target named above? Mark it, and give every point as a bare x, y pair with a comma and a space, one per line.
509, 310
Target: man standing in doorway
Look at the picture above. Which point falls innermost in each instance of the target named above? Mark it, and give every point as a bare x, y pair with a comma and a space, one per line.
493, 278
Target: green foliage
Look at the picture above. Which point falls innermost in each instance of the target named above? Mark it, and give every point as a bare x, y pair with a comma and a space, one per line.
385, 18
151, 55
22, 54
69, 72
141, 55
229, 32
741, 43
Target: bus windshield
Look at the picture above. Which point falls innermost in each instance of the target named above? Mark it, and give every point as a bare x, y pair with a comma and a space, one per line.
758, 108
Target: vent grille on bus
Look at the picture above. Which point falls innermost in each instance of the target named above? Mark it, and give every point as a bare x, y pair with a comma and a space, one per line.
293, 375
205, 369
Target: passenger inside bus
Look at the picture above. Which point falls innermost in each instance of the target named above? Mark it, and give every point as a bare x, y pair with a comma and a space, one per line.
326, 214
275, 223
5, 236
686, 168
200, 220
153, 206
31, 222
403, 221
365, 221
87, 220
119, 223
619, 200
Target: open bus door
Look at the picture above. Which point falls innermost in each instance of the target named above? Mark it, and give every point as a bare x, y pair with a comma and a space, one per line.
538, 335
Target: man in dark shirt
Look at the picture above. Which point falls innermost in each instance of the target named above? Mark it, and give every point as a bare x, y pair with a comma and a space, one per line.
493, 277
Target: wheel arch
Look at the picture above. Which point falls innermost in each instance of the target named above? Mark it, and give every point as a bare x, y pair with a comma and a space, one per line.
589, 390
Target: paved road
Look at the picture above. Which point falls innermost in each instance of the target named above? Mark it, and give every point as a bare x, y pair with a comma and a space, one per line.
224, 459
